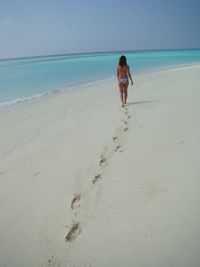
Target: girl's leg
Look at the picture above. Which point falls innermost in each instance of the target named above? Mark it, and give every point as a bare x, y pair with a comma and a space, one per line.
121, 93
125, 93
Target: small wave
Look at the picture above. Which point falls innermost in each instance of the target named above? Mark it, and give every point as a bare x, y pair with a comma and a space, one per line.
20, 100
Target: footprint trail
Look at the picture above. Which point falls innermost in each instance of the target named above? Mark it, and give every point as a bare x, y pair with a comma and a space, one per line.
108, 151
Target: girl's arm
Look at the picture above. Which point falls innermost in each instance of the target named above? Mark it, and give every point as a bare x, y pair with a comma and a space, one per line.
117, 72
129, 75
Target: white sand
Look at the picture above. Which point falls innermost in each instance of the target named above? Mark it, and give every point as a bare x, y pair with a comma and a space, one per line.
143, 210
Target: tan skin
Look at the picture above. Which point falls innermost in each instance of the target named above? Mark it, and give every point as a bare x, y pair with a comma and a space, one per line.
123, 72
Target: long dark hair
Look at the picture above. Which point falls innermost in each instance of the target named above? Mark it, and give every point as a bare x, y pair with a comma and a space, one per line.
122, 61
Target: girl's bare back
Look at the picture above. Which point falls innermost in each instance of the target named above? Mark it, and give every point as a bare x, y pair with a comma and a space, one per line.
122, 71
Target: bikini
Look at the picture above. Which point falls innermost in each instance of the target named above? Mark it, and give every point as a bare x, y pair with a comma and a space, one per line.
123, 80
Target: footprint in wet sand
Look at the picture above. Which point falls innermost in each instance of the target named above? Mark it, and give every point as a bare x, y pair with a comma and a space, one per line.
75, 201
73, 232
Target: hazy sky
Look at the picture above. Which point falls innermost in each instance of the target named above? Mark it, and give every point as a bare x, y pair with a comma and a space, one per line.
36, 27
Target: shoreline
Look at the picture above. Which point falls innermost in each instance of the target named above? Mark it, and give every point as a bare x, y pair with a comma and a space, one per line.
85, 182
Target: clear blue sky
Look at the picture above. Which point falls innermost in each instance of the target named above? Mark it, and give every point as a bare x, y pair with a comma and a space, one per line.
37, 27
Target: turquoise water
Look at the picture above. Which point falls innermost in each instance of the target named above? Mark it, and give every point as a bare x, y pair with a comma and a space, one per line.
24, 78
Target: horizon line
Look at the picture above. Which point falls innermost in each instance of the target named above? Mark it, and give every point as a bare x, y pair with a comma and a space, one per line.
98, 52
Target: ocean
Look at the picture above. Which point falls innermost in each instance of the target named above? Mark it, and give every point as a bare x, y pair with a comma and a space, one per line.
22, 79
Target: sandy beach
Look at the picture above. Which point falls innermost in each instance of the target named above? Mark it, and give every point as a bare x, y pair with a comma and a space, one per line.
84, 182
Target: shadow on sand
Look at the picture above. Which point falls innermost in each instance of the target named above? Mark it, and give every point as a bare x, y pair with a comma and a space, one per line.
140, 102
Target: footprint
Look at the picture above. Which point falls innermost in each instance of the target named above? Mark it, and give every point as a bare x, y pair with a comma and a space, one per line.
52, 261
73, 232
125, 129
75, 200
103, 160
178, 142
36, 173
117, 148
114, 138
96, 178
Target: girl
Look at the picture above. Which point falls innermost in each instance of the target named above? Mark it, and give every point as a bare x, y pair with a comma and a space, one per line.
123, 76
